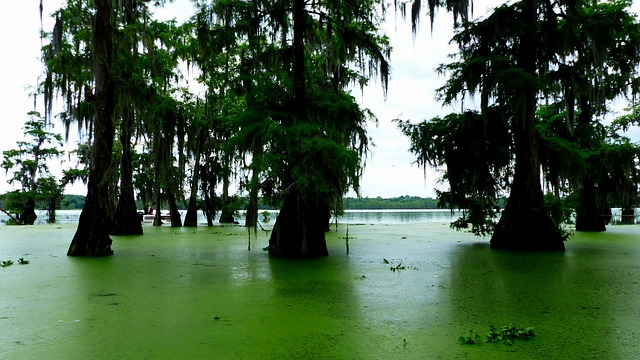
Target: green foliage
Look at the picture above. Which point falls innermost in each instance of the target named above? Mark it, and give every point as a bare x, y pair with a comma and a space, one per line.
316, 147
616, 163
473, 339
560, 157
7, 263
28, 164
69, 64
558, 209
14, 201
29, 161
591, 152
476, 151
505, 335
72, 202
573, 147
508, 334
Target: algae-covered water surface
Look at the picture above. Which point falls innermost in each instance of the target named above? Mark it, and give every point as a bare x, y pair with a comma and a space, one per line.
404, 292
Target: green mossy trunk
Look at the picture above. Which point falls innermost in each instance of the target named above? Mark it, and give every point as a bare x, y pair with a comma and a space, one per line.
299, 231
92, 235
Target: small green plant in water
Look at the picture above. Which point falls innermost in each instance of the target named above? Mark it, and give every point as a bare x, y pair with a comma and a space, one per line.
472, 339
506, 334
6, 263
23, 261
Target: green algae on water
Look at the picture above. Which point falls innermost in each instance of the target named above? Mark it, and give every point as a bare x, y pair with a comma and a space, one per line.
199, 293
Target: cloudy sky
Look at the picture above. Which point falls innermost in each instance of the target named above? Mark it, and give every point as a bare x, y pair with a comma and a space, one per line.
411, 94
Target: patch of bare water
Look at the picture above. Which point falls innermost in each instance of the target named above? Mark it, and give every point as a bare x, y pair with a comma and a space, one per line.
404, 291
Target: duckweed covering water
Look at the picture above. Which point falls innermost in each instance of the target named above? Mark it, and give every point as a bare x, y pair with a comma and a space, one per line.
199, 294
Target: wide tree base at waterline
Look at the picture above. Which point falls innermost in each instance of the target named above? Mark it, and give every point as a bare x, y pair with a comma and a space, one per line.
299, 231
94, 225
528, 232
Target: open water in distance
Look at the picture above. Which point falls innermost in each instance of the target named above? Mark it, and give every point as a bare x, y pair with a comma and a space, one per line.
368, 217
349, 217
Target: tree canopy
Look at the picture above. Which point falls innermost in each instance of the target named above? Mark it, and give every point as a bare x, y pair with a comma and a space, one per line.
582, 57
275, 112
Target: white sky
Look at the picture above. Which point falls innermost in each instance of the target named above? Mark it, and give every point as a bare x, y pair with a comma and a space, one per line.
411, 94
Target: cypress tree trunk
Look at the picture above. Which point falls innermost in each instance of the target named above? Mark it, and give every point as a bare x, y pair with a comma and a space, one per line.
226, 215
191, 218
92, 235
251, 217
209, 195
52, 209
28, 215
126, 220
176, 220
299, 230
525, 224
628, 215
588, 211
156, 219
588, 216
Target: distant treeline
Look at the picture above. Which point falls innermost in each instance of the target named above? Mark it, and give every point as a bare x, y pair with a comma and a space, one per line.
72, 202
68, 202
378, 203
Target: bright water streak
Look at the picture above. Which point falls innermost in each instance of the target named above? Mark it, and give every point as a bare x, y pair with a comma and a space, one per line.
368, 217
349, 217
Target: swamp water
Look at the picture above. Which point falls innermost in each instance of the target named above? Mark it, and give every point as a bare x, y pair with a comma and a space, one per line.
198, 293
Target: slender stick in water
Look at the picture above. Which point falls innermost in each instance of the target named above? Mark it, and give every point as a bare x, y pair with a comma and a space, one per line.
347, 238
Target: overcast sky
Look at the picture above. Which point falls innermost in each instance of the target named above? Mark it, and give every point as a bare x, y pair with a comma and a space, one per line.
411, 94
